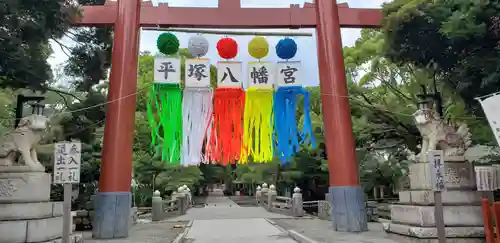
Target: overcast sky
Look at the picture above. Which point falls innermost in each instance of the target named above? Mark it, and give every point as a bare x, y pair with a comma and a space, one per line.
306, 45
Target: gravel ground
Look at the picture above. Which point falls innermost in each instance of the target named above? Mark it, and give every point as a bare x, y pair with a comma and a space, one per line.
158, 232
322, 232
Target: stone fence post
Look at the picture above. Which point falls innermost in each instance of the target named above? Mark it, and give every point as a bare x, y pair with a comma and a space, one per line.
181, 202
258, 194
157, 207
297, 203
271, 197
263, 195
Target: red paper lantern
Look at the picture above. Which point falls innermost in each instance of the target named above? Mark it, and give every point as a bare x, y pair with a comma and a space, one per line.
227, 48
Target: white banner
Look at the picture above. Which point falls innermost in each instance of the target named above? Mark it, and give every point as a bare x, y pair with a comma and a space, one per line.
167, 70
261, 74
491, 107
197, 73
229, 74
288, 73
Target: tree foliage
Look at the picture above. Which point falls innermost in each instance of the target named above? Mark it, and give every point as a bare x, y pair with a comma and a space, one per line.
457, 41
25, 30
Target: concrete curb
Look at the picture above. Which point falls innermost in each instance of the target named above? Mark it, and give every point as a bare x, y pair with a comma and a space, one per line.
181, 236
292, 233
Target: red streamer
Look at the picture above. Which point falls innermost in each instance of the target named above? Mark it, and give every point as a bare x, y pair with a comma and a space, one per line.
227, 129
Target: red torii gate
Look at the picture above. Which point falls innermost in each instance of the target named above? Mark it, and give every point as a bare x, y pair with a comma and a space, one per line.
114, 199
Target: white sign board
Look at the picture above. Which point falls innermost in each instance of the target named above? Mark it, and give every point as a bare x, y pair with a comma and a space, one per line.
67, 156
486, 178
167, 70
491, 108
230, 74
197, 73
260, 74
288, 73
436, 164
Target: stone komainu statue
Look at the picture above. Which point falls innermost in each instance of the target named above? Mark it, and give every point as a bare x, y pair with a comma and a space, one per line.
437, 134
21, 142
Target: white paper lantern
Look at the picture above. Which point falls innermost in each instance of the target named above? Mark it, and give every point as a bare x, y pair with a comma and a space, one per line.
198, 46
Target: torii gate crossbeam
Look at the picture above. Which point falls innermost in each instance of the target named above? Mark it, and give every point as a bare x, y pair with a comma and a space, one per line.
114, 199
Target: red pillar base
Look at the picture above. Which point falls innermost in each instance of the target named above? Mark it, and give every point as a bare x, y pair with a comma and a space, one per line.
112, 217
348, 208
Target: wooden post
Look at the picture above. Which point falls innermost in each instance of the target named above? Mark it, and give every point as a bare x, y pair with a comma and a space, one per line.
67, 222
439, 216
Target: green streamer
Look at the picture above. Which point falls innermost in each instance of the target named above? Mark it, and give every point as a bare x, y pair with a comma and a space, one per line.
164, 111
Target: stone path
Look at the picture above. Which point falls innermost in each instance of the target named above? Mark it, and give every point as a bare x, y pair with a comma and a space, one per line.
321, 231
223, 221
158, 232
221, 207
250, 230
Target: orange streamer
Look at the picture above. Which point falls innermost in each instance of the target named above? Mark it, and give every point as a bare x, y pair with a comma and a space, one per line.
226, 134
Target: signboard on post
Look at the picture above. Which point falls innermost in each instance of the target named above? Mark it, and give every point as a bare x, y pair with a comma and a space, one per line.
436, 164
67, 158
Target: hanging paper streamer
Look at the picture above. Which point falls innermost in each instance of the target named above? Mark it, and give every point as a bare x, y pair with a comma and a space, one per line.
258, 126
165, 102
197, 102
288, 138
227, 127
228, 104
258, 119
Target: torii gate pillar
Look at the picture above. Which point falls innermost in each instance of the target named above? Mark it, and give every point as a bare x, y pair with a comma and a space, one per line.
113, 201
346, 195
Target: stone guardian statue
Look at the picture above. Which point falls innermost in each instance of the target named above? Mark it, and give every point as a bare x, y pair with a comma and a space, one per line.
19, 145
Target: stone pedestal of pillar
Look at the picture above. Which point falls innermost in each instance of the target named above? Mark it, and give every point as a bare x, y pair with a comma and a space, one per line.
26, 212
412, 218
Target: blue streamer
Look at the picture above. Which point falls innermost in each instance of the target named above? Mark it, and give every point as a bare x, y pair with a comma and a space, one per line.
287, 137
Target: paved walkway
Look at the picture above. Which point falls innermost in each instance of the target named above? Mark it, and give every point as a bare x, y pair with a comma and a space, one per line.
157, 232
321, 231
221, 207
250, 230
223, 221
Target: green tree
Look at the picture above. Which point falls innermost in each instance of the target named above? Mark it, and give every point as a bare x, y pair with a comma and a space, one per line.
456, 41
25, 29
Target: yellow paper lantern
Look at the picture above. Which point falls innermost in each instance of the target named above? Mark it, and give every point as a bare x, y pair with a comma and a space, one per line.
258, 47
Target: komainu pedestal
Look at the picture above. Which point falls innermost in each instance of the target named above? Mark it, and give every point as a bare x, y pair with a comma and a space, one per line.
412, 219
26, 212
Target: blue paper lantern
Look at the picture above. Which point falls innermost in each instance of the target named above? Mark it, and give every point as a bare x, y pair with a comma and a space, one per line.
286, 48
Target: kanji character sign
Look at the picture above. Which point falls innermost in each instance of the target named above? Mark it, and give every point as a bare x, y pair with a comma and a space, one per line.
261, 74
67, 158
229, 74
288, 73
167, 70
197, 73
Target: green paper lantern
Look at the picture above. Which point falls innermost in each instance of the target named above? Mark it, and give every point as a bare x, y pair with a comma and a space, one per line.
167, 43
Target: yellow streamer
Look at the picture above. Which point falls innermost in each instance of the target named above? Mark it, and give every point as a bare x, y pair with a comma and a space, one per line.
258, 126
